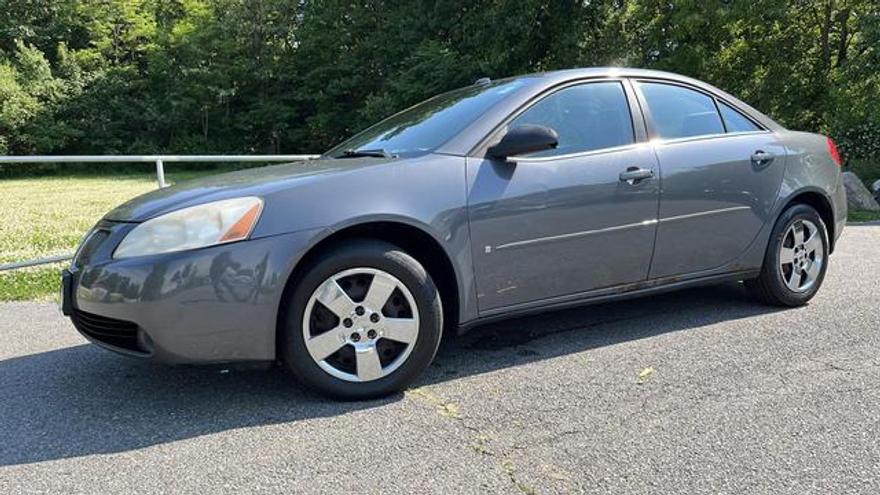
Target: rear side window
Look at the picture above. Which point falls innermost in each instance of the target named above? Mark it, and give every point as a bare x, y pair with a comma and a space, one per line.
735, 121
587, 117
678, 112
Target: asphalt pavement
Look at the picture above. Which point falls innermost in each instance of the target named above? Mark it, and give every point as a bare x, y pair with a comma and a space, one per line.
699, 391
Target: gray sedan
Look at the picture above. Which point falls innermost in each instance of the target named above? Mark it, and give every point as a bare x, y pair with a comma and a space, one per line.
495, 200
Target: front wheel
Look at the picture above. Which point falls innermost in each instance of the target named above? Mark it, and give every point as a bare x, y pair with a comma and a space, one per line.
796, 259
364, 320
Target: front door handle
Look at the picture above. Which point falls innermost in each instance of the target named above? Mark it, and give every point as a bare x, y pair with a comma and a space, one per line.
634, 175
761, 158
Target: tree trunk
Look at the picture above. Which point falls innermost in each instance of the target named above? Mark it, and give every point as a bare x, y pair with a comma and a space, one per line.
825, 37
843, 43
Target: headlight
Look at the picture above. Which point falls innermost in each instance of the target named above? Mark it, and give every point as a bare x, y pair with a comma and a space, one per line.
194, 227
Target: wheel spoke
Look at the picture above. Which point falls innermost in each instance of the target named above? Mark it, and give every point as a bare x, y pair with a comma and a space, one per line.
368, 365
331, 295
814, 243
798, 232
380, 290
403, 330
813, 270
325, 344
786, 255
794, 279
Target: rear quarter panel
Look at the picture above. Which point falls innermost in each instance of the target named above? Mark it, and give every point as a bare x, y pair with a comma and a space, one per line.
810, 169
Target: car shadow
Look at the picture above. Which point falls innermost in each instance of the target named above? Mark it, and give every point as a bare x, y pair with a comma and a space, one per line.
81, 400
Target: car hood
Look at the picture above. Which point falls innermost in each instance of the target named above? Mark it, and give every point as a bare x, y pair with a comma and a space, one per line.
260, 181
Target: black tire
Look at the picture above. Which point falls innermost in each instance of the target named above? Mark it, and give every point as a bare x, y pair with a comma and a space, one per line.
769, 287
362, 253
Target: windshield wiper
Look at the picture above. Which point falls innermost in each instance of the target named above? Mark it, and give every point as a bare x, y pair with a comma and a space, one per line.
378, 152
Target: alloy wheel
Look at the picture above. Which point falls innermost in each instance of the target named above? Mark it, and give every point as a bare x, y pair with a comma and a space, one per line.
360, 324
801, 255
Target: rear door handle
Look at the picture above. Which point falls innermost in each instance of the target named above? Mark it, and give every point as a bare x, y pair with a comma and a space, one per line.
761, 158
633, 175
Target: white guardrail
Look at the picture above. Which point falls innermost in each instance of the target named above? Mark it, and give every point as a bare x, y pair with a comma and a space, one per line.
159, 161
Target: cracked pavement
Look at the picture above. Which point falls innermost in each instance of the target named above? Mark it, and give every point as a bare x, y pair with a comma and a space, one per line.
699, 391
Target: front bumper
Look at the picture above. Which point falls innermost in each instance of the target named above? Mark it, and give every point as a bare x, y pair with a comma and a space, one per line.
216, 304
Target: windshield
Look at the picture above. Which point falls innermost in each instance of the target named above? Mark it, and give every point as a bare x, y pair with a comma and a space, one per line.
427, 125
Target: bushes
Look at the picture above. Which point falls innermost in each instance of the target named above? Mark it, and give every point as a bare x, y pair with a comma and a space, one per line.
291, 76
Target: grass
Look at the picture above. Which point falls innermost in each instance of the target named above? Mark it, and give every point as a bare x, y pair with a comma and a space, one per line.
45, 216
863, 216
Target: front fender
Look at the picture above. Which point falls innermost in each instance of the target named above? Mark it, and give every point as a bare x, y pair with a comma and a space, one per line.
427, 193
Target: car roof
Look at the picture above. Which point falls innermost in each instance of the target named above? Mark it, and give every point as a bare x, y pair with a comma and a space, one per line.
607, 71
590, 72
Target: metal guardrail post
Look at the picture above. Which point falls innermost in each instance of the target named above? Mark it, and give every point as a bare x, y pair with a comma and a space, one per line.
160, 173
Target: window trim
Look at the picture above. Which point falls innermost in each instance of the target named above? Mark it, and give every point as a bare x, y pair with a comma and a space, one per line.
640, 134
649, 119
706, 137
599, 151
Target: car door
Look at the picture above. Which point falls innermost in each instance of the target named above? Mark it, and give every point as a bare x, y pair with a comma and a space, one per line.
559, 222
720, 172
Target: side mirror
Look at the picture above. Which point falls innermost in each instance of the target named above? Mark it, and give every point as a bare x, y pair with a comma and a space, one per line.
524, 139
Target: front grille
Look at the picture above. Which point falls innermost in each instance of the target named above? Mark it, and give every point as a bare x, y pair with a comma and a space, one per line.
116, 333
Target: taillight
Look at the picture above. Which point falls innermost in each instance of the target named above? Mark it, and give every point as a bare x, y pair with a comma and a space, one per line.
834, 152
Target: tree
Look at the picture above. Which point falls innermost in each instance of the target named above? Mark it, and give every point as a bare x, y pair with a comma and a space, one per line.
150, 76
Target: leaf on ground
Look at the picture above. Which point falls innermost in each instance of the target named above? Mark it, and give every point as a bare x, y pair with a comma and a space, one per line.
646, 374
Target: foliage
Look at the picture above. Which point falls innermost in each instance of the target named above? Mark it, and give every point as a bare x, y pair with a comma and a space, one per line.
178, 76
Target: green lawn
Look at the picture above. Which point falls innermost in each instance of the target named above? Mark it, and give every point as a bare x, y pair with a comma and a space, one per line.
863, 216
45, 216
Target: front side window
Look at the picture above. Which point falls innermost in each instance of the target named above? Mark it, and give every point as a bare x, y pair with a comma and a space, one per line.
735, 121
679, 112
587, 117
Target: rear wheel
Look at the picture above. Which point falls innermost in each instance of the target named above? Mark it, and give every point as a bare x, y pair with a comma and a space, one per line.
364, 321
796, 259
